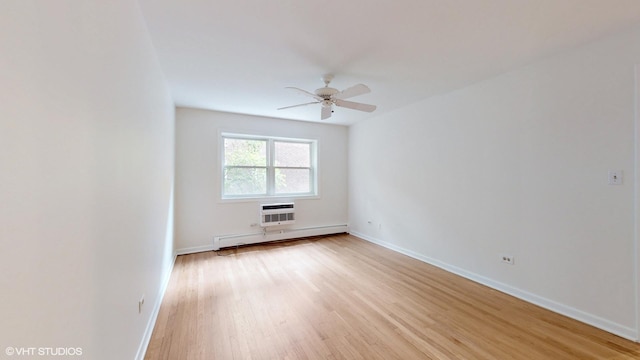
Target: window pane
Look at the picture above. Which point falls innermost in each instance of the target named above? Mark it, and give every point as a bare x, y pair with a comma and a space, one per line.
245, 181
290, 181
243, 152
290, 154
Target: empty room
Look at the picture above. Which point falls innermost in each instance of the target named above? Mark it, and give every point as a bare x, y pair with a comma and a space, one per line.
319, 180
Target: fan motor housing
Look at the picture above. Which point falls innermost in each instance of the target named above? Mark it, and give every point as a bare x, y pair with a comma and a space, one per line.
326, 92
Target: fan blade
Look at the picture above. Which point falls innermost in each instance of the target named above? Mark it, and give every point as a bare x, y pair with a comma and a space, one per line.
305, 92
326, 112
355, 105
352, 91
292, 106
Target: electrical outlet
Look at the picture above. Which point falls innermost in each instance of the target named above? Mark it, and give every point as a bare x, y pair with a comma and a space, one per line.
140, 303
615, 177
507, 259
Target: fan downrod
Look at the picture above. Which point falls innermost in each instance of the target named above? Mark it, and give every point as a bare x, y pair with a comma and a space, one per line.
326, 78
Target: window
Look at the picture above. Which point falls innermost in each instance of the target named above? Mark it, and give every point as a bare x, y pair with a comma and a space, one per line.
267, 167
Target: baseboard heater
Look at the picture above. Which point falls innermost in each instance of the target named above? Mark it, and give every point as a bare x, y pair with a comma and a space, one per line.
224, 241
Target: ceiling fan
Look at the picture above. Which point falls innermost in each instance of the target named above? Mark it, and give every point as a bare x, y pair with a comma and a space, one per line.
328, 96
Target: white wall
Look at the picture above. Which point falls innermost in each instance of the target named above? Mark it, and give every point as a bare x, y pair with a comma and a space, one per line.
86, 176
516, 164
201, 215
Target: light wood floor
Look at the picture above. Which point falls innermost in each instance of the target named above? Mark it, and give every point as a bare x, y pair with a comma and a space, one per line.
340, 297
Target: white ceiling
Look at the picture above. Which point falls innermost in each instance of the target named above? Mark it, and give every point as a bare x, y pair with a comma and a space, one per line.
238, 55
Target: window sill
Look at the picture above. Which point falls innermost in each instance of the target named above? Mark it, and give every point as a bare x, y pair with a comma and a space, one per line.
270, 199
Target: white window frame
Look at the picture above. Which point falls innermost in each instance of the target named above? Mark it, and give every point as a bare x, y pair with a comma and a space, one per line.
271, 168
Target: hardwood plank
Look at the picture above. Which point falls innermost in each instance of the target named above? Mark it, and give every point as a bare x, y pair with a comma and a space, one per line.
340, 297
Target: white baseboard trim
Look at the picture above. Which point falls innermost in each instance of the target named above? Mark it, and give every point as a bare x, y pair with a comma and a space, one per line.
271, 235
275, 235
144, 344
194, 249
593, 320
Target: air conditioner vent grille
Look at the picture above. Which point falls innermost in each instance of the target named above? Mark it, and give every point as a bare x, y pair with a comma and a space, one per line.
277, 214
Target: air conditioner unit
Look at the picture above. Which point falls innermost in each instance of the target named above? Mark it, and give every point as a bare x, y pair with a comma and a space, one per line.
277, 214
